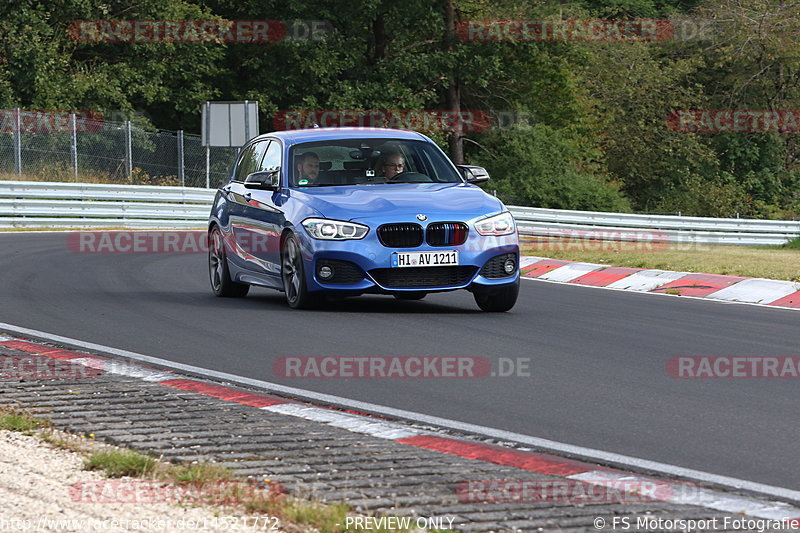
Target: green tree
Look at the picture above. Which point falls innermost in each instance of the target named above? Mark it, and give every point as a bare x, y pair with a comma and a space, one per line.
547, 167
46, 69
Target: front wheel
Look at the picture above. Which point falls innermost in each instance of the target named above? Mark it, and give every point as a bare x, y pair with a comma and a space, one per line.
293, 276
497, 300
221, 282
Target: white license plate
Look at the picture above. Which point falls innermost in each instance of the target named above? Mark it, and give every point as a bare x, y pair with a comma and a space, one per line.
424, 259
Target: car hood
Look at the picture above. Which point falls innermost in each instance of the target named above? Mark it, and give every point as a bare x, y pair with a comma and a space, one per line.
400, 202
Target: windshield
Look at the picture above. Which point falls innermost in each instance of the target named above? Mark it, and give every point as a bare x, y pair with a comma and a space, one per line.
367, 162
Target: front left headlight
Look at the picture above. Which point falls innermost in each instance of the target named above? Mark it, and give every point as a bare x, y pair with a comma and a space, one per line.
334, 230
502, 224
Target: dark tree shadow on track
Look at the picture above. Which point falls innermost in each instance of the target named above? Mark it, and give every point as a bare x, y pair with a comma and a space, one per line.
273, 300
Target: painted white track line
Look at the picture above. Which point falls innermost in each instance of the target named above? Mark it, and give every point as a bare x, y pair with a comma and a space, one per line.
756, 290
570, 271
647, 280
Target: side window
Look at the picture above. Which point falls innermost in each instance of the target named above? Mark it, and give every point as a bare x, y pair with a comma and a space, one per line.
272, 159
248, 161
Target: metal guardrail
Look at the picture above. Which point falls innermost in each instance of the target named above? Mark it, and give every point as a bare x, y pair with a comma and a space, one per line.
28, 204
83, 205
78, 208
632, 234
663, 222
95, 191
595, 225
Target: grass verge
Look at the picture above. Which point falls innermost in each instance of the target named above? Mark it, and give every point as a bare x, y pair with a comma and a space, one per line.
120, 463
772, 262
15, 420
295, 515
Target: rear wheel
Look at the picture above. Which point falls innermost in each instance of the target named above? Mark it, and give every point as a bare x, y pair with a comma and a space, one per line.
497, 300
293, 276
220, 276
410, 295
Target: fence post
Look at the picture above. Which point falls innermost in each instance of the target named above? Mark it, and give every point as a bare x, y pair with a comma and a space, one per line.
246, 122
128, 151
73, 125
208, 167
181, 168
17, 142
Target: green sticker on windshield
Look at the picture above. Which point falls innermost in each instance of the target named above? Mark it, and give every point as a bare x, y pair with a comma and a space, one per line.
302, 182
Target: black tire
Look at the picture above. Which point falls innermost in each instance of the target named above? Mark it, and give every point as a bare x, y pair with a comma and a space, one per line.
219, 275
497, 300
294, 278
410, 295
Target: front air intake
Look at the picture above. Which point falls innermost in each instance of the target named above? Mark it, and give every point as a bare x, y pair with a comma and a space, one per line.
447, 233
405, 235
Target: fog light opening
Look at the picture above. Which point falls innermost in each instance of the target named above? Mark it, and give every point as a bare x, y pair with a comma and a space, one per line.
510, 266
325, 272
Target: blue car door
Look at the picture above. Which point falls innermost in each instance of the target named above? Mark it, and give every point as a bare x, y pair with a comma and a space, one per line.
256, 221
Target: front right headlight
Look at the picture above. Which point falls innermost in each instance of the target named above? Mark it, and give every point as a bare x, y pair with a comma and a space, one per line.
334, 230
502, 224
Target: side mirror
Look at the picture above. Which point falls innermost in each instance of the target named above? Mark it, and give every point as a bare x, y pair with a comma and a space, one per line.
266, 179
474, 174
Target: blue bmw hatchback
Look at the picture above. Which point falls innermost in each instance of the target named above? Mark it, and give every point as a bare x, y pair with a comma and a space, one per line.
348, 211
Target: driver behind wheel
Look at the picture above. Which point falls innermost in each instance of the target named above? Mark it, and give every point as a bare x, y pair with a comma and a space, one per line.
389, 165
307, 167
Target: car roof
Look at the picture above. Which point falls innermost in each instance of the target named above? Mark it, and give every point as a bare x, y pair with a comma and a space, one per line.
324, 134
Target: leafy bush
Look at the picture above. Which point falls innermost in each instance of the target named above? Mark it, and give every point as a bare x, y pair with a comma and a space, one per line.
544, 167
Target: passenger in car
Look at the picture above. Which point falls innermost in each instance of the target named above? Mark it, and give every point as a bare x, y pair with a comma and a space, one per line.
307, 167
389, 165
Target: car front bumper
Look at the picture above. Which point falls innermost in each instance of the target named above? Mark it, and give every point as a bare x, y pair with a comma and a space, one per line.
373, 260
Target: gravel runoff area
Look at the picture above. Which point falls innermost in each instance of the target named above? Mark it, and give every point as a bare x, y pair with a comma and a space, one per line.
35, 482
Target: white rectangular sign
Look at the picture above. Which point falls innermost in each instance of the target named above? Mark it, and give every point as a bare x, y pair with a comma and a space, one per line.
229, 123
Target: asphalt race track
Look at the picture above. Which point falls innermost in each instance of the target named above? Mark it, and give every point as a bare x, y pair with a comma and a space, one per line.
598, 356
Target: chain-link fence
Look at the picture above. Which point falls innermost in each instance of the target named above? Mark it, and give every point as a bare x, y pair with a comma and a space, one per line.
75, 147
